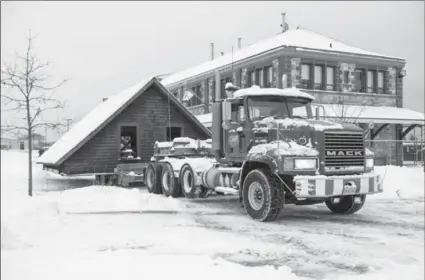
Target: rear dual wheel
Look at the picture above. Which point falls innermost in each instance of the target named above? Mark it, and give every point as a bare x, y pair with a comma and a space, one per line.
160, 179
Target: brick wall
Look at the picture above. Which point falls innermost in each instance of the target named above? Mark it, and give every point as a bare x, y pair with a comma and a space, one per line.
244, 78
210, 90
350, 68
276, 70
295, 77
399, 90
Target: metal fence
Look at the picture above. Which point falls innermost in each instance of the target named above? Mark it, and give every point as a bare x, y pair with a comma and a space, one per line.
386, 153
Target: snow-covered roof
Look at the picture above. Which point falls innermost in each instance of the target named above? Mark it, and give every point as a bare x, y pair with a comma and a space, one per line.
366, 114
287, 92
373, 114
298, 38
97, 118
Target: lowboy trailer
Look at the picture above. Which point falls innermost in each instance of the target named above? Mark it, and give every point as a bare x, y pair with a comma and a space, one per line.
267, 148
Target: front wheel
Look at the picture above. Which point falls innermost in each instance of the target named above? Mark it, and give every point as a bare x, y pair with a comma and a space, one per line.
347, 204
262, 195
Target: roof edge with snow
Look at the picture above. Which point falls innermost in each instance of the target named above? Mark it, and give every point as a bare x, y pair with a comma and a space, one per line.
64, 148
298, 39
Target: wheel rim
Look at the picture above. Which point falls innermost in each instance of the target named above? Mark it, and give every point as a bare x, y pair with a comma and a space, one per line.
256, 196
166, 180
187, 181
151, 178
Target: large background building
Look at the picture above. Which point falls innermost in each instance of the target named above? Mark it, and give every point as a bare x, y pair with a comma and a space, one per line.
352, 84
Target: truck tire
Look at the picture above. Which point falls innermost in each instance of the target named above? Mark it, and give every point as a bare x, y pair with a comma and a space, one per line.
153, 178
346, 205
188, 182
170, 184
262, 195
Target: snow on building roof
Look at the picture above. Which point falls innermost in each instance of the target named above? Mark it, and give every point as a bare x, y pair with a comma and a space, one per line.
100, 115
373, 114
365, 114
301, 38
287, 92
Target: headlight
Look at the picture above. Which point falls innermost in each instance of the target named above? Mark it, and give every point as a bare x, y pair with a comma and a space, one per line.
305, 163
370, 162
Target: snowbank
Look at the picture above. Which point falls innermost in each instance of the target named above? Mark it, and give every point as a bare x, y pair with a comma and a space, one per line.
131, 264
400, 182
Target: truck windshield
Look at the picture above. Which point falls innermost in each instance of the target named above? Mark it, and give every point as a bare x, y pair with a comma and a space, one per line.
261, 107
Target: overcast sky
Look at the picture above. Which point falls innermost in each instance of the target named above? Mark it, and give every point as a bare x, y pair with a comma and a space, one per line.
103, 47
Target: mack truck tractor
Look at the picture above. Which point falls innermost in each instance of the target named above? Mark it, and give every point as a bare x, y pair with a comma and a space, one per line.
267, 148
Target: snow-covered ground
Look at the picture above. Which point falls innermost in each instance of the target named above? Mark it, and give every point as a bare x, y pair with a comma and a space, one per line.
69, 232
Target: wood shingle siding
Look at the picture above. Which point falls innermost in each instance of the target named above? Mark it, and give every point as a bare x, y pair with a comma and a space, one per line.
150, 112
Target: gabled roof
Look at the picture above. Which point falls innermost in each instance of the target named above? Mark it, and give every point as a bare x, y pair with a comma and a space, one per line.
298, 38
101, 115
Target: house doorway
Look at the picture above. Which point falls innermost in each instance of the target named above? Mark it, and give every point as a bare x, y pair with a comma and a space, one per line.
128, 136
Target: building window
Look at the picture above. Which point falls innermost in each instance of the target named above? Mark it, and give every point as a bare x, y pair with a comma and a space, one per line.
370, 81
260, 77
269, 76
359, 80
128, 136
305, 75
318, 79
346, 76
380, 82
173, 132
330, 78
196, 99
223, 87
252, 80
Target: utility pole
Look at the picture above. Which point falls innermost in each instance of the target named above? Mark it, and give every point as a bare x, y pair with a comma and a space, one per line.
68, 121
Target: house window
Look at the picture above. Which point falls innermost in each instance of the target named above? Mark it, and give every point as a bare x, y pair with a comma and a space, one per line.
173, 132
380, 83
318, 77
261, 77
370, 81
22, 145
269, 76
252, 80
359, 81
330, 78
176, 95
305, 75
128, 145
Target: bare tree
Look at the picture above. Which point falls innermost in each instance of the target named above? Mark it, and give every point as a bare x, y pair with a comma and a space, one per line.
343, 112
26, 92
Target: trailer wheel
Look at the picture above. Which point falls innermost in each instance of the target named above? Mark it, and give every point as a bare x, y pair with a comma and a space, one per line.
153, 178
188, 182
346, 205
262, 195
170, 184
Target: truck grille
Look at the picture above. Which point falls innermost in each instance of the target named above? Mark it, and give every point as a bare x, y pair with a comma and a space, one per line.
344, 151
